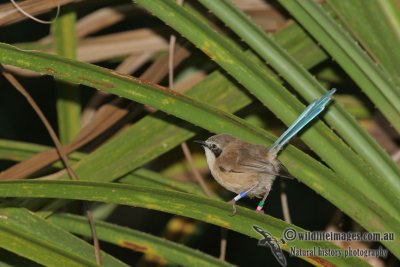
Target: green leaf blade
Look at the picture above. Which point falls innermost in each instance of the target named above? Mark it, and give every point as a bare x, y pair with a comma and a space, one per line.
172, 202
32, 237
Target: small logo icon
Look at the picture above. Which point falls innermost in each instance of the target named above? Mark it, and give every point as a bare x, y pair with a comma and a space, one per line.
272, 243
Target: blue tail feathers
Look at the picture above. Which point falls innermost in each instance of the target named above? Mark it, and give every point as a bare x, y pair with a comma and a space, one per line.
316, 107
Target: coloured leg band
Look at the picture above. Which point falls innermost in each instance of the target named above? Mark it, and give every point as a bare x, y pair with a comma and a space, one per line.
260, 206
241, 195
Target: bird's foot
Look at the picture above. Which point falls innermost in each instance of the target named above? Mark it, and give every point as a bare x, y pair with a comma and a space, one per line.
260, 211
233, 202
260, 207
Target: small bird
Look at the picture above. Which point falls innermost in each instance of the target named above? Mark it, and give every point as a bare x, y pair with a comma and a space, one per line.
248, 169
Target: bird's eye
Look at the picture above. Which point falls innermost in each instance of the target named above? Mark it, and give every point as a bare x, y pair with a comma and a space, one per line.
216, 150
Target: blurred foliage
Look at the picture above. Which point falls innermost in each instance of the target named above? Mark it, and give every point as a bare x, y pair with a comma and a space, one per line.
242, 67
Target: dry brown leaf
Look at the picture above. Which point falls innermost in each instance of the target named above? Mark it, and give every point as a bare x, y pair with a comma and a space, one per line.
263, 14
104, 18
106, 117
95, 49
108, 46
9, 14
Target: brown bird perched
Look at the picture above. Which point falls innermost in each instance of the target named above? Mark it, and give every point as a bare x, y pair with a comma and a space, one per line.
248, 169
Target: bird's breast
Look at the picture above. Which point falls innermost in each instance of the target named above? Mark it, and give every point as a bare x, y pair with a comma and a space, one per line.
239, 182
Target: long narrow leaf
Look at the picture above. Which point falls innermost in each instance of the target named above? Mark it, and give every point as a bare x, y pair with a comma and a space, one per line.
375, 82
68, 95
32, 237
332, 187
164, 250
259, 82
19, 151
307, 86
173, 202
376, 25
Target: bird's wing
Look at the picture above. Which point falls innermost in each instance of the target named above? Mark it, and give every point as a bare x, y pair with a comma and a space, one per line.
255, 159
250, 159
227, 161
283, 172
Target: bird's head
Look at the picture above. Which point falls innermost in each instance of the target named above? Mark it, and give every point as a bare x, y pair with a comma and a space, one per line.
215, 144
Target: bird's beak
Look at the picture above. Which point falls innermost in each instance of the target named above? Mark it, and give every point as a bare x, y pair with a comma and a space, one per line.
201, 142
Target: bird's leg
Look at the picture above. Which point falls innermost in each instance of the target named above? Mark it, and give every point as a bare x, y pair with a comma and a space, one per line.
233, 201
239, 196
261, 203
